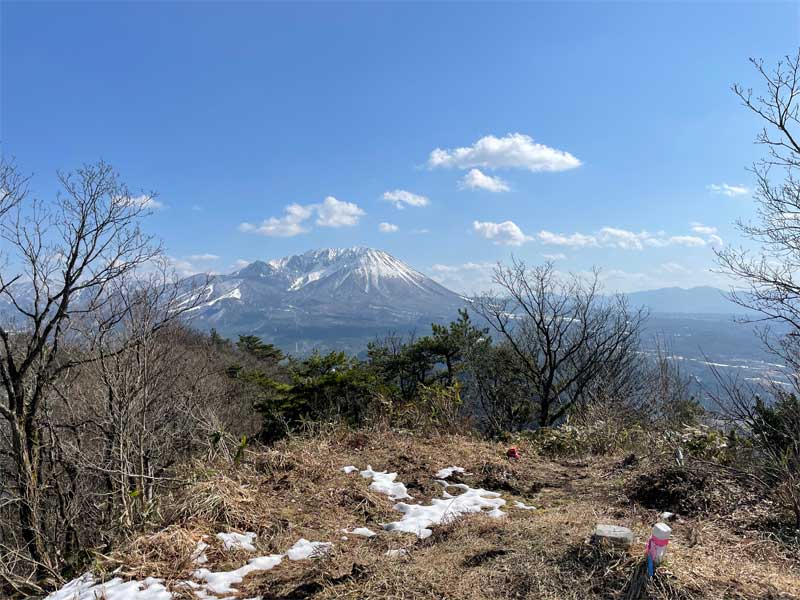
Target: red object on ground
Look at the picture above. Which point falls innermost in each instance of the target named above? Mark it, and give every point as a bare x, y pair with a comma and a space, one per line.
513, 454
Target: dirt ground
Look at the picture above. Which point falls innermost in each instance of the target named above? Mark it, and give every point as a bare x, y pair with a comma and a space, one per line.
725, 546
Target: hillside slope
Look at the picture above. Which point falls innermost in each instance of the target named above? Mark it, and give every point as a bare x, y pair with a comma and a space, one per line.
308, 529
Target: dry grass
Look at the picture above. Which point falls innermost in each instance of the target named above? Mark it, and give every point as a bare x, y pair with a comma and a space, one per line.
298, 490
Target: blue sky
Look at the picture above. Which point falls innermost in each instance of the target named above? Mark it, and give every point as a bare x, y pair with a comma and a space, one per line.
596, 129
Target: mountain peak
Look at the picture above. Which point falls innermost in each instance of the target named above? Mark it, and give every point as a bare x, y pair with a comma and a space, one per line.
343, 287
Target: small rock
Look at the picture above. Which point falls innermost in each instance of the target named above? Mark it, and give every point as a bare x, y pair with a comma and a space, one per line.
615, 535
666, 516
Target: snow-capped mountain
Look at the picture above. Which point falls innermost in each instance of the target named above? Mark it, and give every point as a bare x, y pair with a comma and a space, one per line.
331, 294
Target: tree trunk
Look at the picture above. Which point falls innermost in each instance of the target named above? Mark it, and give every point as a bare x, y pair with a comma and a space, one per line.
26, 452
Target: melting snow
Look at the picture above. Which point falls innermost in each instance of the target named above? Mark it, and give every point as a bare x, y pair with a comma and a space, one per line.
304, 549
238, 541
445, 473
85, 587
418, 518
199, 555
221, 582
362, 531
211, 582
384, 483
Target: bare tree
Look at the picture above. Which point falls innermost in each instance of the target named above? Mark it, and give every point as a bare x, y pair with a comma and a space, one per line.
67, 259
143, 404
770, 275
562, 331
772, 287
13, 186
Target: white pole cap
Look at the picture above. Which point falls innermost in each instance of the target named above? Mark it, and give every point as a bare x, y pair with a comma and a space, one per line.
662, 531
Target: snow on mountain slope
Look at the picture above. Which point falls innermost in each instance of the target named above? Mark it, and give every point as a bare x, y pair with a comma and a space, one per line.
333, 287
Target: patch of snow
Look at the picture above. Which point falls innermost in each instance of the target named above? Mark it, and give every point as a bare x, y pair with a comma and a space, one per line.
363, 531
234, 294
523, 506
384, 483
349, 469
211, 583
238, 541
304, 549
418, 518
222, 582
445, 473
397, 552
199, 555
86, 587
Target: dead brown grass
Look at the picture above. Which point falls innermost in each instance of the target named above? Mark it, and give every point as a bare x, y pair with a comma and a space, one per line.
298, 490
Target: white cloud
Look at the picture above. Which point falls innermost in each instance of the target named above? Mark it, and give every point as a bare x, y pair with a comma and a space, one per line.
715, 241
470, 277
439, 268
420, 231
203, 257
336, 213
727, 190
613, 237
675, 268
387, 228
622, 238
330, 213
241, 263
144, 201
505, 233
702, 229
691, 241
184, 267
576, 240
513, 151
469, 266
619, 274
477, 180
289, 225
401, 198
554, 257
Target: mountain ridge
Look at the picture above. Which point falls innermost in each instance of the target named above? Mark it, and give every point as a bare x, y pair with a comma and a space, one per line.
340, 298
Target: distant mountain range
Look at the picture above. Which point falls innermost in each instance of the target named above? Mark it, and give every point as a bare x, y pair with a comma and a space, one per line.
696, 300
343, 298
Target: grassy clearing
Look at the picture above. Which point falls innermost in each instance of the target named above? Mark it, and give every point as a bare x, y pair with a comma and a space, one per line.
720, 549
